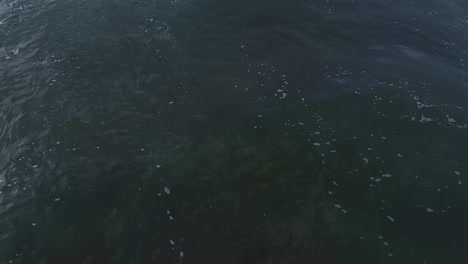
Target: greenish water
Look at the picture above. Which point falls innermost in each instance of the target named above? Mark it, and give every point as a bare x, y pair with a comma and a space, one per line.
204, 131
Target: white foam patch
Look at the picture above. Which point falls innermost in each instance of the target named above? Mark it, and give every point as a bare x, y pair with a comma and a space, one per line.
425, 119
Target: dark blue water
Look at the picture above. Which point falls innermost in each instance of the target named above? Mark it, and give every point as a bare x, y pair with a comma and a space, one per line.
205, 131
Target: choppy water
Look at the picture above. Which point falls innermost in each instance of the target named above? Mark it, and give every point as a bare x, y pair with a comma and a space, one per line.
207, 131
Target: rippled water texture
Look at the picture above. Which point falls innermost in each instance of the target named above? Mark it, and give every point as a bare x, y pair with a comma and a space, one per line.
208, 131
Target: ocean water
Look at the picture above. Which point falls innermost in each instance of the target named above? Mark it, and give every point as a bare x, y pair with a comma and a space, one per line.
256, 132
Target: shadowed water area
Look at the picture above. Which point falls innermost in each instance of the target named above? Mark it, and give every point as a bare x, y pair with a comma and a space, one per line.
256, 132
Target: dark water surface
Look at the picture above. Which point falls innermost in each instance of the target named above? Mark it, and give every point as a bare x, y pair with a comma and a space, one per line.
209, 131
